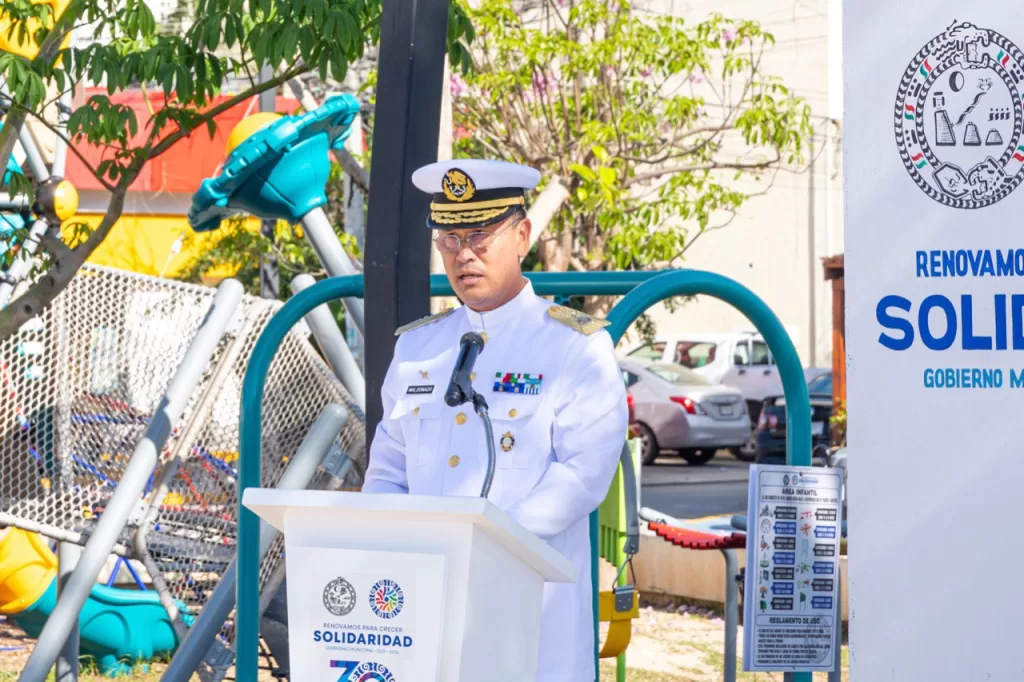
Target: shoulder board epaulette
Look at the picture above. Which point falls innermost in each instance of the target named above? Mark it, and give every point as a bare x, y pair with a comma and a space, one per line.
429, 319
581, 322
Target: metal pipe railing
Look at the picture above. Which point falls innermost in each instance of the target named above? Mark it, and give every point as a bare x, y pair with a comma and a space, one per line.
297, 476
67, 661
329, 250
332, 343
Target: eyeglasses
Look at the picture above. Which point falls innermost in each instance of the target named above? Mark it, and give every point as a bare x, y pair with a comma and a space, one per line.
477, 241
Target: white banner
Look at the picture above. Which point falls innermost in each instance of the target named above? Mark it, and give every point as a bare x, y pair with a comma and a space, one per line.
934, 151
362, 616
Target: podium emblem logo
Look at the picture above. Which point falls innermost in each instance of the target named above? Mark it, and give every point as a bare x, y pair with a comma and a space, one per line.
959, 117
371, 672
387, 599
339, 597
354, 671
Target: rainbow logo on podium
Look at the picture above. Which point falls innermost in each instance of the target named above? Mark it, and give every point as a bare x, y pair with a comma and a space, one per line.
386, 599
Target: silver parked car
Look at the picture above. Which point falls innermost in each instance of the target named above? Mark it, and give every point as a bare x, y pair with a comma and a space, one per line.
678, 409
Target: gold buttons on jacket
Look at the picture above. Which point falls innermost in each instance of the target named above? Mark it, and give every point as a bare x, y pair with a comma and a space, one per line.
460, 418
512, 413
472, 376
484, 335
453, 461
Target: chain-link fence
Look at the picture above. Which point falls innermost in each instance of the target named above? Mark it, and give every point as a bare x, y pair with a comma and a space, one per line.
79, 385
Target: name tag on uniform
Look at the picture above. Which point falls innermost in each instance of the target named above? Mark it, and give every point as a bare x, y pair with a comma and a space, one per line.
420, 390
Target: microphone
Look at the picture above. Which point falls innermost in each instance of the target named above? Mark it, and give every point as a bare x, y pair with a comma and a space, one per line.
460, 387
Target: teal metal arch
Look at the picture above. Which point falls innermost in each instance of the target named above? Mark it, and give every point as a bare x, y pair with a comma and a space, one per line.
666, 284
641, 290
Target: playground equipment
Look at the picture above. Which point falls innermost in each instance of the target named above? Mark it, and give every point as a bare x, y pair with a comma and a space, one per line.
689, 535
116, 626
87, 403
277, 169
619, 542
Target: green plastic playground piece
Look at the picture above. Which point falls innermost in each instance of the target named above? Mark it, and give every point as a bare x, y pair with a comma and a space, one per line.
117, 627
611, 525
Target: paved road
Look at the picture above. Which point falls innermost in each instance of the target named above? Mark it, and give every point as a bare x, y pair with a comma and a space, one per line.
686, 492
691, 492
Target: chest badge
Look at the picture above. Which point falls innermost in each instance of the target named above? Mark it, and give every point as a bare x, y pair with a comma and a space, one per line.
508, 441
424, 373
509, 382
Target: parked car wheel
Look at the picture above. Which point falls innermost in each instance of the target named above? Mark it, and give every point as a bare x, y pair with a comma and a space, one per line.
649, 443
748, 451
697, 457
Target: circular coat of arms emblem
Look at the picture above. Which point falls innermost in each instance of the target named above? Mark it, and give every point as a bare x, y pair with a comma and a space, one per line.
959, 116
458, 186
371, 672
339, 597
386, 599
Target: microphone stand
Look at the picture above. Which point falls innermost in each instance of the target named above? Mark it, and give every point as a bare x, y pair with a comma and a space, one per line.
480, 405
460, 390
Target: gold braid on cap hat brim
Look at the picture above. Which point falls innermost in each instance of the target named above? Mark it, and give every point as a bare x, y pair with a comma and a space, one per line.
463, 217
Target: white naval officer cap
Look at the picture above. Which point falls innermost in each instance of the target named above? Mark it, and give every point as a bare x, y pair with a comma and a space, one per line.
474, 192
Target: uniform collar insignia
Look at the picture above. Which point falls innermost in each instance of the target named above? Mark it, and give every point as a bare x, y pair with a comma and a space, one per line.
574, 319
429, 319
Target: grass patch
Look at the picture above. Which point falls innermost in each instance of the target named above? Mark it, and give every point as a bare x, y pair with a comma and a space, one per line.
635, 675
88, 672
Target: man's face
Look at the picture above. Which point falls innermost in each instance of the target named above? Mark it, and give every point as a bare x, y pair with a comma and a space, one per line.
483, 264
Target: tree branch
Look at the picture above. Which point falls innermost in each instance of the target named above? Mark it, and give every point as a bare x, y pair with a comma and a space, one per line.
74, 150
48, 52
64, 267
212, 113
545, 207
675, 170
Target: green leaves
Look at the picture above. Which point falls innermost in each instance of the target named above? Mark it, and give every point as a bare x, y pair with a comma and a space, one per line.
23, 81
20, 185
654, 124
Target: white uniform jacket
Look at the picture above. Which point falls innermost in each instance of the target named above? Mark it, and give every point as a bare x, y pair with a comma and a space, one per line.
557, 404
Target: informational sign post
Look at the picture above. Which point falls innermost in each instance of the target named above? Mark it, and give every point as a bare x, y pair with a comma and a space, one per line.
357, 616
791, 598
933, 150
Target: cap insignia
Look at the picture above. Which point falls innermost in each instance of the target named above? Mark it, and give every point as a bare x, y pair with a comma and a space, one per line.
458, 186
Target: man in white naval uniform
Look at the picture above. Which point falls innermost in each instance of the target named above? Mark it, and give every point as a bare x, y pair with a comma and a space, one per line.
549, 375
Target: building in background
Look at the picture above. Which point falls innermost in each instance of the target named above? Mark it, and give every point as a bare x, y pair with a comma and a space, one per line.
775, 244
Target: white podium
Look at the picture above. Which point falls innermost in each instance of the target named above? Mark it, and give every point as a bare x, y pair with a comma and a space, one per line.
409, 588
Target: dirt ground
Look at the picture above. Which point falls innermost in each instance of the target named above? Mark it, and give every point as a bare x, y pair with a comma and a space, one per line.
680, 644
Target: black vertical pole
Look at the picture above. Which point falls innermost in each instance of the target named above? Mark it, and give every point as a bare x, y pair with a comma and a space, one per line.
405, 132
